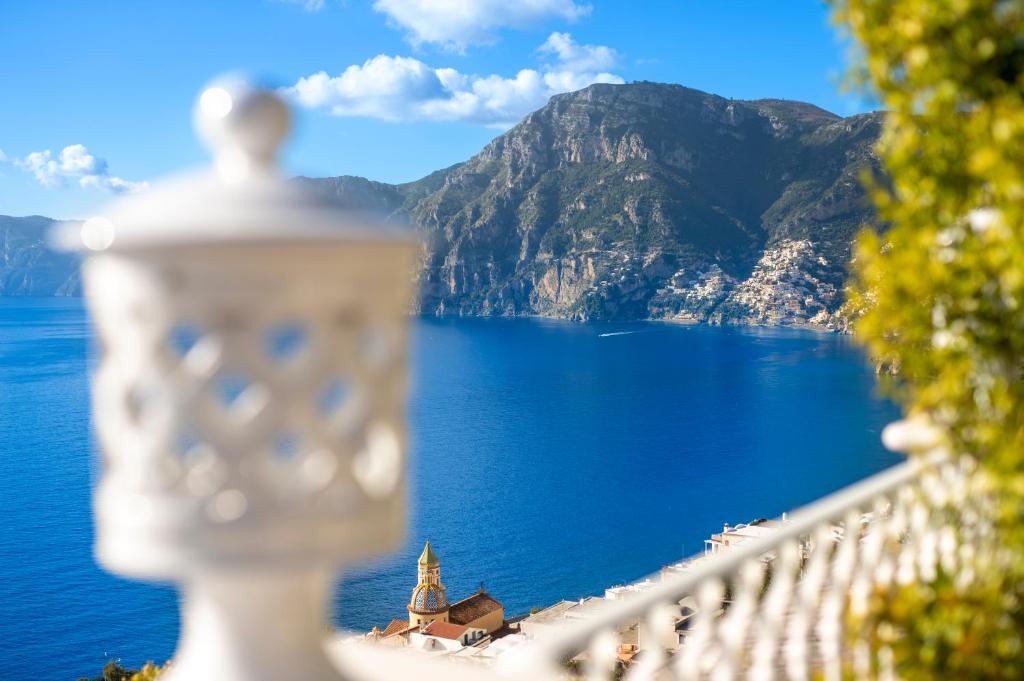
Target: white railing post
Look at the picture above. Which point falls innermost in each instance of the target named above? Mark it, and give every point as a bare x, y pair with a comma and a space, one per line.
249, 398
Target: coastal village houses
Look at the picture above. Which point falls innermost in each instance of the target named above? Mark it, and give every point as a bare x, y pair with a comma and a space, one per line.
434, 624
475, 629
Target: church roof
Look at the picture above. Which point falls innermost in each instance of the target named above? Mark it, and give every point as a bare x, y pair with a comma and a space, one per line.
428, 557
396, 626
446, 630
470, 609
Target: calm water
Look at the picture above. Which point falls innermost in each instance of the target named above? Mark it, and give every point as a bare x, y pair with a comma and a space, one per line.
549, 460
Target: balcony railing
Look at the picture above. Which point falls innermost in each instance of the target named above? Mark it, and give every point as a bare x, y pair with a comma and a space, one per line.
792, 604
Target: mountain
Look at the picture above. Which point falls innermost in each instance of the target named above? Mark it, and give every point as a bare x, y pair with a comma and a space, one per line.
643, 201
27, 266
637, 201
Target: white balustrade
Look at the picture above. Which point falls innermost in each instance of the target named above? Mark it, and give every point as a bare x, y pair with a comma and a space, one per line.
781, 606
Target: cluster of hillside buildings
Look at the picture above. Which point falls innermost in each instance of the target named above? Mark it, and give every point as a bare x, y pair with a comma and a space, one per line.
792, 284
475, 628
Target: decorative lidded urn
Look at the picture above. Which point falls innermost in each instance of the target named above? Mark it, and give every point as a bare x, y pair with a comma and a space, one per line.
250, 394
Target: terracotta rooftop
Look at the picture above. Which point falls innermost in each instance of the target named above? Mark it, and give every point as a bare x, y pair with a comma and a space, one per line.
453, 632
396, 627
468, 609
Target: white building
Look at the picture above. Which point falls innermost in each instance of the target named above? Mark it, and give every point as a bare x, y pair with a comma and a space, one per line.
731, 536
446, 636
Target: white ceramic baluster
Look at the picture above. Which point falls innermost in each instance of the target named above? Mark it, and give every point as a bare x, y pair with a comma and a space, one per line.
813, 586
601, 654
864, 582
227, 469
830, 626
736, 622
660, 621
906, 514
805, 604
699, 652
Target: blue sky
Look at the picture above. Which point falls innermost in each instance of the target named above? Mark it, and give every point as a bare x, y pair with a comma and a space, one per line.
97, 96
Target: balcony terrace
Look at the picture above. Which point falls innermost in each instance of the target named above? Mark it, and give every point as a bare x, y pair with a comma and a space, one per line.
255, 539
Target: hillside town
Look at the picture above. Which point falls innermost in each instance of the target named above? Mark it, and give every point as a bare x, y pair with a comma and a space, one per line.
791, 285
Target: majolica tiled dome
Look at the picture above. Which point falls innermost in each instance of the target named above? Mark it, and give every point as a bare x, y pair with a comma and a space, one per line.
428, 598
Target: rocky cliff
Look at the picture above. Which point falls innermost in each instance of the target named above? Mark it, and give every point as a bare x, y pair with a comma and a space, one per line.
624, 202
643, 201
27, 266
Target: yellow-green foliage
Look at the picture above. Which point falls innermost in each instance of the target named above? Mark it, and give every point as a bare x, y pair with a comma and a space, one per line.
941, 292
113, 671
150, 672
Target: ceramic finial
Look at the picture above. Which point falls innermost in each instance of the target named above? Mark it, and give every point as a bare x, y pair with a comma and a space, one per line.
243, 126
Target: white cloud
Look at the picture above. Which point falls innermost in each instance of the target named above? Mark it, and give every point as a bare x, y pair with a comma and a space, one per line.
379, 88
3, 156
112, 184
576, 57
455, 24
75, 163
308, 5
404, 88
42, 165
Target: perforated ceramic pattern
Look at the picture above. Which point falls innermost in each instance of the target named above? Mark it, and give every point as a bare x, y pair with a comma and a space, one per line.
252, 407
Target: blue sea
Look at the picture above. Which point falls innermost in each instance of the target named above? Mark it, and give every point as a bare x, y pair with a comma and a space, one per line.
549, 460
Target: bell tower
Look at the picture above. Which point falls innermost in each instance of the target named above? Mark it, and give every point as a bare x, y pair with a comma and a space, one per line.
428, 601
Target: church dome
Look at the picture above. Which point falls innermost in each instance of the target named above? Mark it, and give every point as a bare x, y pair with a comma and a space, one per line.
428, 598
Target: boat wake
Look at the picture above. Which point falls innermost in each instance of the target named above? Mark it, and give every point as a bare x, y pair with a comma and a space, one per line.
616, 333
